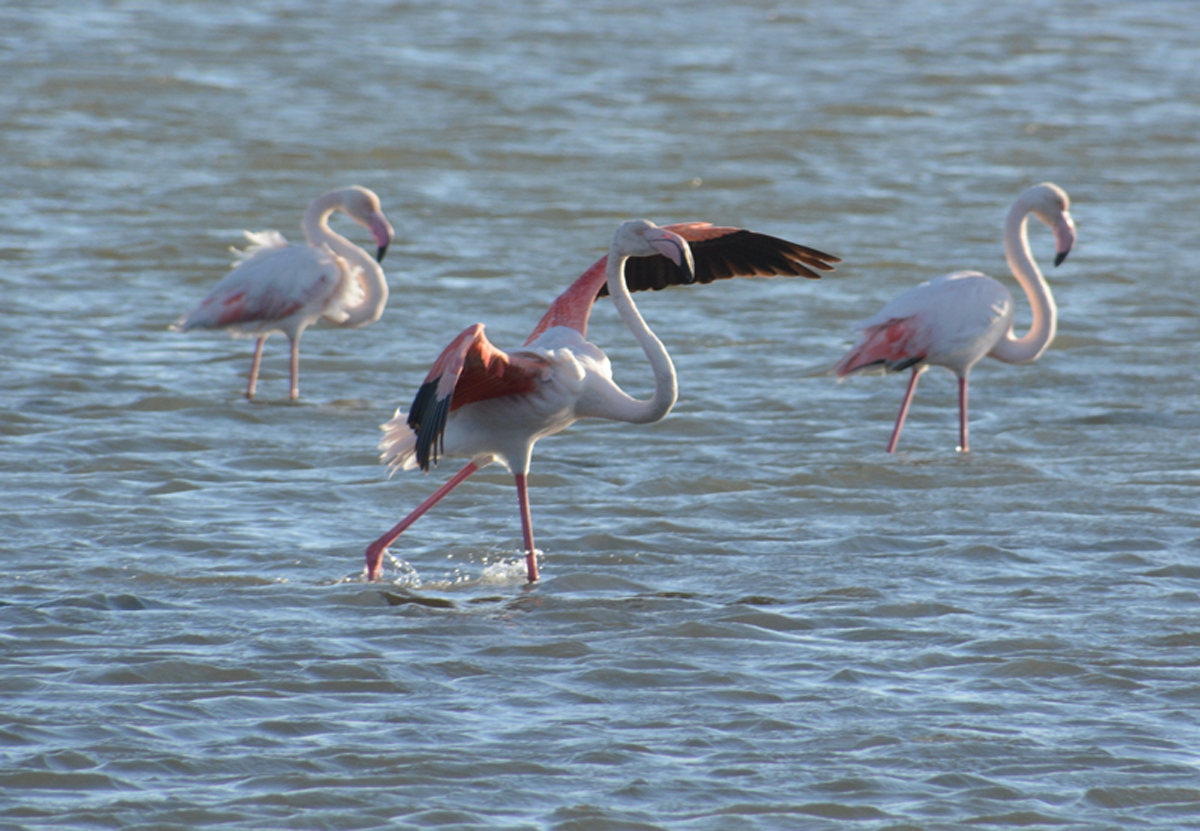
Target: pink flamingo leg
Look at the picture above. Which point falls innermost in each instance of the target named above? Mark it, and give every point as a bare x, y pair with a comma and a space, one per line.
531, 568
375, 550
294, 367
258, 349
962, 414
908, 395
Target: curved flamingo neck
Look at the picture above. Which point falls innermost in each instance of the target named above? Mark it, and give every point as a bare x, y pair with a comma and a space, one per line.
666, 385
372, 281
1033, 343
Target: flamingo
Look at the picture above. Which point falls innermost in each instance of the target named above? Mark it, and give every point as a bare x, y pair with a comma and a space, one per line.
486, 405
956, 319
278, 287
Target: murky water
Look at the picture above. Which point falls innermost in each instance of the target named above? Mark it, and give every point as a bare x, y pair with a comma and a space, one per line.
750, 617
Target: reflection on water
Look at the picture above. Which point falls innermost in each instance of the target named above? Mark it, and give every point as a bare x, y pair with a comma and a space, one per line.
750, 616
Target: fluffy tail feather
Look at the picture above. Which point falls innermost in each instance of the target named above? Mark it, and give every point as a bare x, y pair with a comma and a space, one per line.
259, 241
399, 444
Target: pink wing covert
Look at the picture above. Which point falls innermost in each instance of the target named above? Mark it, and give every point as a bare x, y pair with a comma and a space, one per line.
470, 369
266, 288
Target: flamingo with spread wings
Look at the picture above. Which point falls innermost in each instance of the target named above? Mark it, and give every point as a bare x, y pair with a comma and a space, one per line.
957, 319
486, 405
278, 287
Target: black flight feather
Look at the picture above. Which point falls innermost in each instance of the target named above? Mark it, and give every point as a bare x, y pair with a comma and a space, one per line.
741, 253
427, 418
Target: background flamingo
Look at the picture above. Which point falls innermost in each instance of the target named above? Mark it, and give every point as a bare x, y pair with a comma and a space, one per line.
278, 287
956, 319
490, 406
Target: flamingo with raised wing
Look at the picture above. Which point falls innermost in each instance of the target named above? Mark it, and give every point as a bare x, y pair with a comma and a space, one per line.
279, 287
956, 319
486, 405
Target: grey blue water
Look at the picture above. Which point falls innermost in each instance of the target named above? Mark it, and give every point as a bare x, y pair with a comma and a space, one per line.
750, 616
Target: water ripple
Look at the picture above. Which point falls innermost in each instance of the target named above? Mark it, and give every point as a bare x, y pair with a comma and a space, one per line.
750, 616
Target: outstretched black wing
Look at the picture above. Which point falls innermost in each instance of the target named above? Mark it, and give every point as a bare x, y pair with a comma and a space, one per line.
723, 253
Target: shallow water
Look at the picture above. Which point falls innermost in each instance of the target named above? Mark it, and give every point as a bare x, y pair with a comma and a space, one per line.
750, 616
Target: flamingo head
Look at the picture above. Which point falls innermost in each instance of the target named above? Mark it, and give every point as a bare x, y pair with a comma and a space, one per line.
362, 205
1053, 207
642, 238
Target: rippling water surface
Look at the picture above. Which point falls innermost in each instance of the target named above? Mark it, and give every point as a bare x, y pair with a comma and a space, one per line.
750, 617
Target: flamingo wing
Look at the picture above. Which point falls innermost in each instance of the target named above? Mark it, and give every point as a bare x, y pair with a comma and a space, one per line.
940, 320
721, 253
470, 369
718, 252
895, 345
270, 285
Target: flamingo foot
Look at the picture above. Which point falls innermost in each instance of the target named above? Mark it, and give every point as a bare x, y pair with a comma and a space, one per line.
375, 552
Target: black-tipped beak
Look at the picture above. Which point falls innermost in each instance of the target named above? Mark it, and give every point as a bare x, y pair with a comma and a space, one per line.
689, 269
685, 263
383, 250
1064, 237
682, 260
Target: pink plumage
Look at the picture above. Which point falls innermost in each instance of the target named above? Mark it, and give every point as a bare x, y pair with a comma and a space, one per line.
486, 405
279, 287
955, 320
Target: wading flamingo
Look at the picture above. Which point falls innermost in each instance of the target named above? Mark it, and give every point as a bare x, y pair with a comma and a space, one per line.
486, 405
279, 287
956, 319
